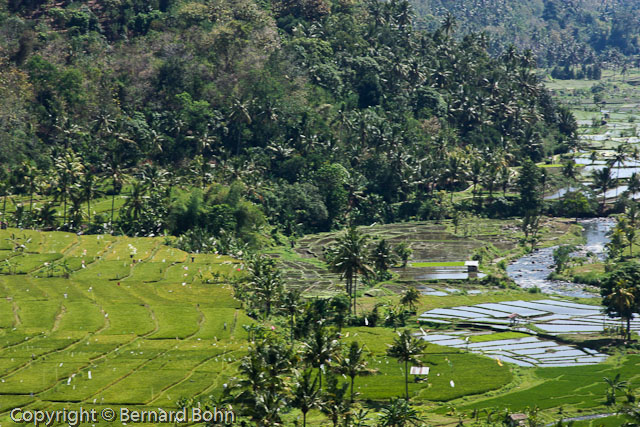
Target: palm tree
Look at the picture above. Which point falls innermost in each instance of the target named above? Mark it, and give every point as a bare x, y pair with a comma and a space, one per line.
615, 385
403, 251
267, 406
292, 305
603, 181
31, 184
306, 395
399, 414
410, 297
4, 188
569, 172
335, 403
382, 257
622, 301
88, 189
619, 157
406, 348
47, 216
319, 350
115, 172
134, 206
68, 168
634, 184
352, 364
266, 283
475, 171
449, 24
348, 257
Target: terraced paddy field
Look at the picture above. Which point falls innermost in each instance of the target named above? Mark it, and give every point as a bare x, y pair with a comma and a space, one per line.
101, 320
436, 246
608, 115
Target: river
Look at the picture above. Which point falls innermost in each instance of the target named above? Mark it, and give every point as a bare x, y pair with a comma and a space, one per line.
533, 269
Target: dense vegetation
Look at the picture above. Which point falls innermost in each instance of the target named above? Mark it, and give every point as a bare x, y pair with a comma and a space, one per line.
310, 114
558, 32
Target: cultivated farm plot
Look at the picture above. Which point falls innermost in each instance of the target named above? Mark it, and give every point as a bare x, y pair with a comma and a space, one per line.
605, 126
430, 241
111, 328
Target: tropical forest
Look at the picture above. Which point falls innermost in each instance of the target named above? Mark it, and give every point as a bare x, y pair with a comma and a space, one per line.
347, 213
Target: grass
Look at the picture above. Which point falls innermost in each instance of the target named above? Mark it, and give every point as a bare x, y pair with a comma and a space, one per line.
574, 388
124, 332
497, 336
446, 365
438, 264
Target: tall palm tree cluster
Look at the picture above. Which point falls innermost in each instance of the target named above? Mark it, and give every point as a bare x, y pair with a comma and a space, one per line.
74, 195
349, 109
319, 373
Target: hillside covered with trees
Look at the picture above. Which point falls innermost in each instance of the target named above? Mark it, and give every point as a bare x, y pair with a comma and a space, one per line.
306, 115
558, 32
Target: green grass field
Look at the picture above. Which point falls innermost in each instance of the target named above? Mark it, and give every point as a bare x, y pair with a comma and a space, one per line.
136, 330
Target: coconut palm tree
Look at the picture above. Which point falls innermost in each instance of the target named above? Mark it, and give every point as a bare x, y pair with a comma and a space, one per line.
603, 181
633, 184
622, 301
306, 394
352, 364
349, 258
319, 350
88, 189
68, 168
406, 348
621, 154
383, 258
47, 216
115, 172
266, 283
335, 403
4, 188
476, 169
410, 297
291, 305
399, 414
134, 206
570, 173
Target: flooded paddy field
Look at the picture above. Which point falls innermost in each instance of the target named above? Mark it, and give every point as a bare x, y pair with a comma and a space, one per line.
541, 320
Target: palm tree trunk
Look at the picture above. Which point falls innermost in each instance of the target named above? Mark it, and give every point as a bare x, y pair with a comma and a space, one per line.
350, 294
352, 382
304, 419
628, 327
64, 210
406, 379
320, 378
355, 289
113, 201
